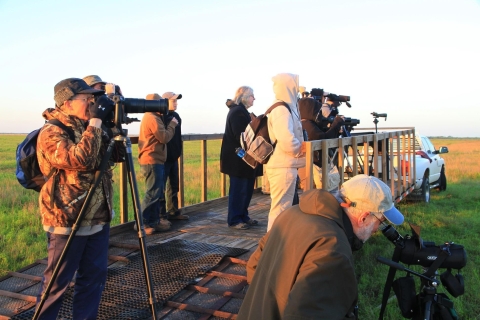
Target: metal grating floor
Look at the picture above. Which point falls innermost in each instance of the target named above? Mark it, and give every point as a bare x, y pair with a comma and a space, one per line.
173, 265
212, 294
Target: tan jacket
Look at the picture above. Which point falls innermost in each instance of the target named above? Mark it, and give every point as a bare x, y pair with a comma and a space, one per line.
75, 163
153, 138
303, 267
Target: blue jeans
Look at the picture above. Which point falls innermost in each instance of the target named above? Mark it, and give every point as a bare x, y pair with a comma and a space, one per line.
86, 255
153, 204
171, 194
239, 196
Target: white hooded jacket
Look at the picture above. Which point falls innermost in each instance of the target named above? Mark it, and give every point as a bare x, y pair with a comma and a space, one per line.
284, 127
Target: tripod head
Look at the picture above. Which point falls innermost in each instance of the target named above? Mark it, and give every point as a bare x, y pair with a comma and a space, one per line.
376, 116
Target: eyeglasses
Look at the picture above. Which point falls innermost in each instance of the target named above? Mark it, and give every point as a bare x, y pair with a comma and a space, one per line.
83, 99
383, 223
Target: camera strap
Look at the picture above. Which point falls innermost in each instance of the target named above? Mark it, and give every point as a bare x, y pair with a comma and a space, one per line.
444, 253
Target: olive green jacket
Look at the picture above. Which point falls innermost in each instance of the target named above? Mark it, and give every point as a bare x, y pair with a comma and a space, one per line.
303, 267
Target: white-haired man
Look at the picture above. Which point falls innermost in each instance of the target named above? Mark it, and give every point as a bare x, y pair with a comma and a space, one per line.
303, 267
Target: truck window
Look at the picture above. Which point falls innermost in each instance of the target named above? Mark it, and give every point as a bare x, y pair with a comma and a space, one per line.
427, 145
430, 145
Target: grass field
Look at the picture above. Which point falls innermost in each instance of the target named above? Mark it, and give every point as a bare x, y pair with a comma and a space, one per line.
451, 216
22, 238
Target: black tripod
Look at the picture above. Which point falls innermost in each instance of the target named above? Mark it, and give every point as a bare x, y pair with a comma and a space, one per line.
429, 304
120, 138
376, 116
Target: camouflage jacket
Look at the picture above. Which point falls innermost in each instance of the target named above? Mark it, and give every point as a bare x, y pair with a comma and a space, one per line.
75, 163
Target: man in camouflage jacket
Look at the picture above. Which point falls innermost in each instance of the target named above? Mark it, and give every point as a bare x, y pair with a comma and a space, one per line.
74, 163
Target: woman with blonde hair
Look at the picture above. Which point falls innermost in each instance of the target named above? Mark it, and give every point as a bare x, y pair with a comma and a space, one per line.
242, 176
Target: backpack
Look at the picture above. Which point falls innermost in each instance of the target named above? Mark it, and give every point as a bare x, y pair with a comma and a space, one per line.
28, 171
255, 140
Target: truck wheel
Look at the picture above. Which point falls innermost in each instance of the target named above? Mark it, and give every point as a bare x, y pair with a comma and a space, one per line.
442, 181
425, 197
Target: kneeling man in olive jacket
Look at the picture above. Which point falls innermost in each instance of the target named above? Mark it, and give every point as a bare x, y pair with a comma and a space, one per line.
303, 267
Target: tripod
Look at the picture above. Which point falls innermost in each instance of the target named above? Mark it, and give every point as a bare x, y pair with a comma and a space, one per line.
376, 116
430, 304
120, 137
334, 155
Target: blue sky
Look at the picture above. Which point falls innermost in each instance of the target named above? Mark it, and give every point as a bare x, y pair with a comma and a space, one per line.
416, 60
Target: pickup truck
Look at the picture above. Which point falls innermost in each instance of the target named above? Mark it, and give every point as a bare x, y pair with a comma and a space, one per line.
429, 169
408, 163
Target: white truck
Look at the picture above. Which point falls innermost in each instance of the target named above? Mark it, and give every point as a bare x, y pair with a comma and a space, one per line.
410, 168
429, 169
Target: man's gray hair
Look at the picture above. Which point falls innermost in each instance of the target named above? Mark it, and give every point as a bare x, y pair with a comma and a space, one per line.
242, 94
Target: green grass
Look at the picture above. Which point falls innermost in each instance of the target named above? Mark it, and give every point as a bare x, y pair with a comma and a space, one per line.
452, 215
22, 239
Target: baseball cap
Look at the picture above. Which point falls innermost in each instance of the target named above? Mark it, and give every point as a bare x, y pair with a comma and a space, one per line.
171, 95
153, 96
93, 80
67, 88
370, 194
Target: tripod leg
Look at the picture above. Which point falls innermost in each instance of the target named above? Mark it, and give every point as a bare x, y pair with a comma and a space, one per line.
139, 221
428, 309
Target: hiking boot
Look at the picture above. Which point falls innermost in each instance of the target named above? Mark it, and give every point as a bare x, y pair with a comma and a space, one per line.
240, 226
148, 230
178, 216
163, 225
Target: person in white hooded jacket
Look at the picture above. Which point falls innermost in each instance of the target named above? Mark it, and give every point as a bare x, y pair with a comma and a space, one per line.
285, 130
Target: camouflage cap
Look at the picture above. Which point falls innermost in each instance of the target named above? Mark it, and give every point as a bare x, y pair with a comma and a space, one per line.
67, 88
93, 80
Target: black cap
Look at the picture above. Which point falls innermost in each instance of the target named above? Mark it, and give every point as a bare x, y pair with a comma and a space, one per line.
67, 88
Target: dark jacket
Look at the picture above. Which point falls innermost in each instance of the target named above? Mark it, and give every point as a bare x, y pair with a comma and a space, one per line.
303, 267
174, 146
237, 120
309, 110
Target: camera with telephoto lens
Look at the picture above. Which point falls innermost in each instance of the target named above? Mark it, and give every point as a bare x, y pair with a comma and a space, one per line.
332, 101
124, 106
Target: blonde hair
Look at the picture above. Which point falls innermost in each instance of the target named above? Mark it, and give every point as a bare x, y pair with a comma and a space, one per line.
242, 94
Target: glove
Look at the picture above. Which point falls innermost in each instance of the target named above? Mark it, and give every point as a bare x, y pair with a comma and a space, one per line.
102, 107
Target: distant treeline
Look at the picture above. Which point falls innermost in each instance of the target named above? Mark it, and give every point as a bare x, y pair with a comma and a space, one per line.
450, 137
